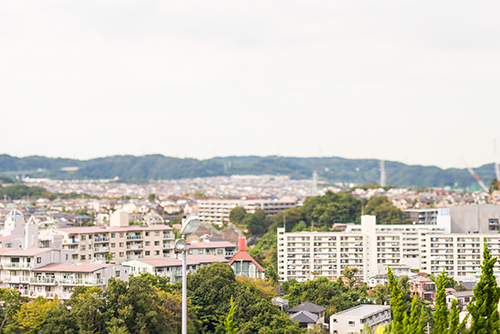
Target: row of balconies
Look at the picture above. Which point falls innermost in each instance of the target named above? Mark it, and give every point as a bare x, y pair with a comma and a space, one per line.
38, 280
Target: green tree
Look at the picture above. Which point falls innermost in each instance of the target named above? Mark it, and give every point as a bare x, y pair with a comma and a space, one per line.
399, 316
237, 215
441, 314
152, 197
160, 282
31, 316
10, 304
382, 294
386, 213
301, 226
257, 222
350, 274
484, 309
455, 326
332, 208
198, 193
228, 323
108, 257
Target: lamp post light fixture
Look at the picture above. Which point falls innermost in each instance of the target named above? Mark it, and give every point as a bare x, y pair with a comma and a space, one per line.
189, 226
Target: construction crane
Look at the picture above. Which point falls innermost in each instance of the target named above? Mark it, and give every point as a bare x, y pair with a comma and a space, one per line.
481, 183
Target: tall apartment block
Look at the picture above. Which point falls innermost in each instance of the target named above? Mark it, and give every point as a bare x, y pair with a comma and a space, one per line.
122, 241
368, 247
214, 211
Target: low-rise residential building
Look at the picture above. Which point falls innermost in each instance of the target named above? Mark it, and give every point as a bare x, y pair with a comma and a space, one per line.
423, 287
170, 267
223, 249
215, 211
244, 264
354, 320
122, 242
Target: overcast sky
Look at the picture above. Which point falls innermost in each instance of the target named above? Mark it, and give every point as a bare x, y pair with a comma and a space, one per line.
412, 81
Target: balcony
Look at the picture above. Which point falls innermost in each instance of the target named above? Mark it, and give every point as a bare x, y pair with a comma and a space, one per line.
42, 280
101, 249
17, 265
82, 281
101, 239
71, 241
169, 236
134, 237
16, 279
140, 246
229, 253
134, 257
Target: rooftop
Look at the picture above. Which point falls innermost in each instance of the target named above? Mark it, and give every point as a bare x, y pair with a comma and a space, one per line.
363, 311
105, 229
191, 260
73, 267
307, 306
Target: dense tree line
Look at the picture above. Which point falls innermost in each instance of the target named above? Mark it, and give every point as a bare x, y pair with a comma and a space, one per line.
19, 191
149, 304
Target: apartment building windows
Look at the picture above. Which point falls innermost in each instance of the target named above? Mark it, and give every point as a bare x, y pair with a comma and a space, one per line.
157, 243
82, 257
113, 245
147, 253
112, 235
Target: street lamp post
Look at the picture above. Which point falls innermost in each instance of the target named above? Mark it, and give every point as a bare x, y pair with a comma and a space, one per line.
189, 226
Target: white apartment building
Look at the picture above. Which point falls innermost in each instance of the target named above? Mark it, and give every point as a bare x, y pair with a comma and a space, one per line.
122, 241
458, 254
354, 320
368, 247
170, 267
222, 249
214, 211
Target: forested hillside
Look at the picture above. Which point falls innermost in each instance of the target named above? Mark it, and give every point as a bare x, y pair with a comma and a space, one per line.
156, 167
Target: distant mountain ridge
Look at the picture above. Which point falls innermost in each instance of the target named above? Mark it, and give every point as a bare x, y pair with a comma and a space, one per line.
333, 169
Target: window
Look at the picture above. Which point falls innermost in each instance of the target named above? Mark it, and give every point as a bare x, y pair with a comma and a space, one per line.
67, 257
147, 243
352, 323
113, 245
38, 260
113, 255
112, 235
147, 234
8, 245
157, 233
117, 273
157, 252
83, 237
157, 243
121, 244
121, 254
121, 235
147, 253
82, 247
82, 257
